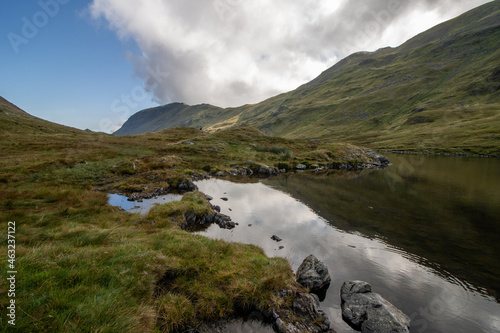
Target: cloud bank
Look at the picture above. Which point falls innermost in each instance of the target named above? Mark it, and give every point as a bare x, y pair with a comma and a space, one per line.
233, 52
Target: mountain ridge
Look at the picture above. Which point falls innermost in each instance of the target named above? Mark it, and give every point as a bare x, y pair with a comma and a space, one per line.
446, 79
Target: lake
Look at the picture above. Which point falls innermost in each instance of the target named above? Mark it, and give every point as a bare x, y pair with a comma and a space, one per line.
423, 232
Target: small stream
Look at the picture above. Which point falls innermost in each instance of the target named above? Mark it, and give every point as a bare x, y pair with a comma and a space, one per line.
424, 235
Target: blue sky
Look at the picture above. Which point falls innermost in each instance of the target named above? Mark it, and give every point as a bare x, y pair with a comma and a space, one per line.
94, 63
71, 71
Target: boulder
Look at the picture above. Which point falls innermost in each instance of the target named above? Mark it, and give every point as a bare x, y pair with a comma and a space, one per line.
313, 274
301, 167
369, 312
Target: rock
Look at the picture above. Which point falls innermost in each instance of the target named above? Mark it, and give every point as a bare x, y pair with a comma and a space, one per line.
276, 238
209, 198
313, 274
366, 311
224, 221
281, 247
282, 170
195, 176
195, 222
134, 197
380, 160
264, 170
224, 198
301, 167
186, 186
192, 220
216, 208
304, 314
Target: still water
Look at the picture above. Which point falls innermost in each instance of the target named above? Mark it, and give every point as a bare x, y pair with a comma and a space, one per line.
142, 207
424, 232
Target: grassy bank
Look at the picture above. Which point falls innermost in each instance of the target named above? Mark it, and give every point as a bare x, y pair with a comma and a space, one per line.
86, 266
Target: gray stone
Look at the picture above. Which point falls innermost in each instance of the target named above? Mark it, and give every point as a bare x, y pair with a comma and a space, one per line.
313, 274
369, 312
301, 167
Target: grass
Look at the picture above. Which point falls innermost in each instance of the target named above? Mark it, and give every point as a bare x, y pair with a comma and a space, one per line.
84, 266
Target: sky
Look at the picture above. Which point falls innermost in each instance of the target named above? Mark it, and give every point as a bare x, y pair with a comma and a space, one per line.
93, 63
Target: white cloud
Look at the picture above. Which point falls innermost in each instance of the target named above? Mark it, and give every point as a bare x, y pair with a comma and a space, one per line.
233, 52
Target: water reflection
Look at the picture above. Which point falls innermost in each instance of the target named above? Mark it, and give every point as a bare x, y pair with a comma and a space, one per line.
140, 207
433, 302
442, 211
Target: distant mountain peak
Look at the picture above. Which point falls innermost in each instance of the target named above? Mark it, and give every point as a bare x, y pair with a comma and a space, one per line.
446, 75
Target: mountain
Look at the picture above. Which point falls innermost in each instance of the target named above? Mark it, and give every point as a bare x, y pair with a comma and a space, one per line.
438, 91
15, 121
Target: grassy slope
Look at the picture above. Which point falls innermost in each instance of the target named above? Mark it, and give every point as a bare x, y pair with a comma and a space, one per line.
440, 91
86, 266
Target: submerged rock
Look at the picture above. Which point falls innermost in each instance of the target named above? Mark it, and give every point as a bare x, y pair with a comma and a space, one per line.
276, 238
313, 274
369, 312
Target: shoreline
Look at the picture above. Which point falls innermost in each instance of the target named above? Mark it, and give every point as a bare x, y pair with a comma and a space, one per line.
407, 152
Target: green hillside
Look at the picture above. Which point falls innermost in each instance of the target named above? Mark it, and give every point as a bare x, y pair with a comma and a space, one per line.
85, 266
439, 91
